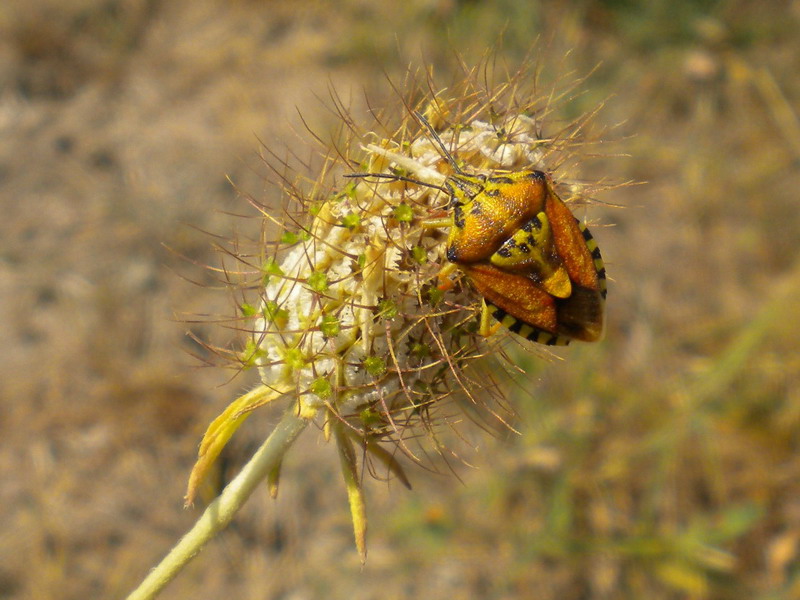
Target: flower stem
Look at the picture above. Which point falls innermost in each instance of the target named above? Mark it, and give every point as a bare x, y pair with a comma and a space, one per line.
222, 510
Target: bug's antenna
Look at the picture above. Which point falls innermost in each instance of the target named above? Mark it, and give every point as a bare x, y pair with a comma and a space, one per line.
438, 141
395, 178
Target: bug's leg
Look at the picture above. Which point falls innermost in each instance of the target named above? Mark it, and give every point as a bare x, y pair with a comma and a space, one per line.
437, 222
445, 283
487, 328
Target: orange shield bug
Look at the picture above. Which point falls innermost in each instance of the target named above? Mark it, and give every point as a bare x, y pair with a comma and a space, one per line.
536, 266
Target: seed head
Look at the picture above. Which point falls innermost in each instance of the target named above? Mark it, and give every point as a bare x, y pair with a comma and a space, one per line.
360, 322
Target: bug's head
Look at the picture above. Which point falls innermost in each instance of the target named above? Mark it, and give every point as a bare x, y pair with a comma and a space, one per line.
464, 188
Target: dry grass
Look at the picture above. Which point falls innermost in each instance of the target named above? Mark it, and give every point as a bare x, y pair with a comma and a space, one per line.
662, 463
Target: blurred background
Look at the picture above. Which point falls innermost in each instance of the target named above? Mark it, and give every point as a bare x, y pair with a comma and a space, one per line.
660, 463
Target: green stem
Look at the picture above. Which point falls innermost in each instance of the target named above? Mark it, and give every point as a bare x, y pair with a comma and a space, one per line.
222, 510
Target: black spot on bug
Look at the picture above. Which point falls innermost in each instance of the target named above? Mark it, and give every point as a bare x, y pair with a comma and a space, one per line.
501, 180
458, 217
531, 240
477, 209
536, 175
541, 337
498, 313
524, 248
516, 326
596, 253
504, 252
534, 224
535, 277
492, 192
452, 254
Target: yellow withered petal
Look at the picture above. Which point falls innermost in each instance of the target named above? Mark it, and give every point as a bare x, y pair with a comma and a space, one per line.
355, 493
220, 431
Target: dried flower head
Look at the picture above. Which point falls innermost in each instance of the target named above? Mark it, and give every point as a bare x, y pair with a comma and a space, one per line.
359, 323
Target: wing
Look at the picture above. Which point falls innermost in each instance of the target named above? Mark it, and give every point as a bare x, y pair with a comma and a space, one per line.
572, 245
517, 302
522, 306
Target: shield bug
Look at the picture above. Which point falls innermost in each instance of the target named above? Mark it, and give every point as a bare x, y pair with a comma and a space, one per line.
536, 266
